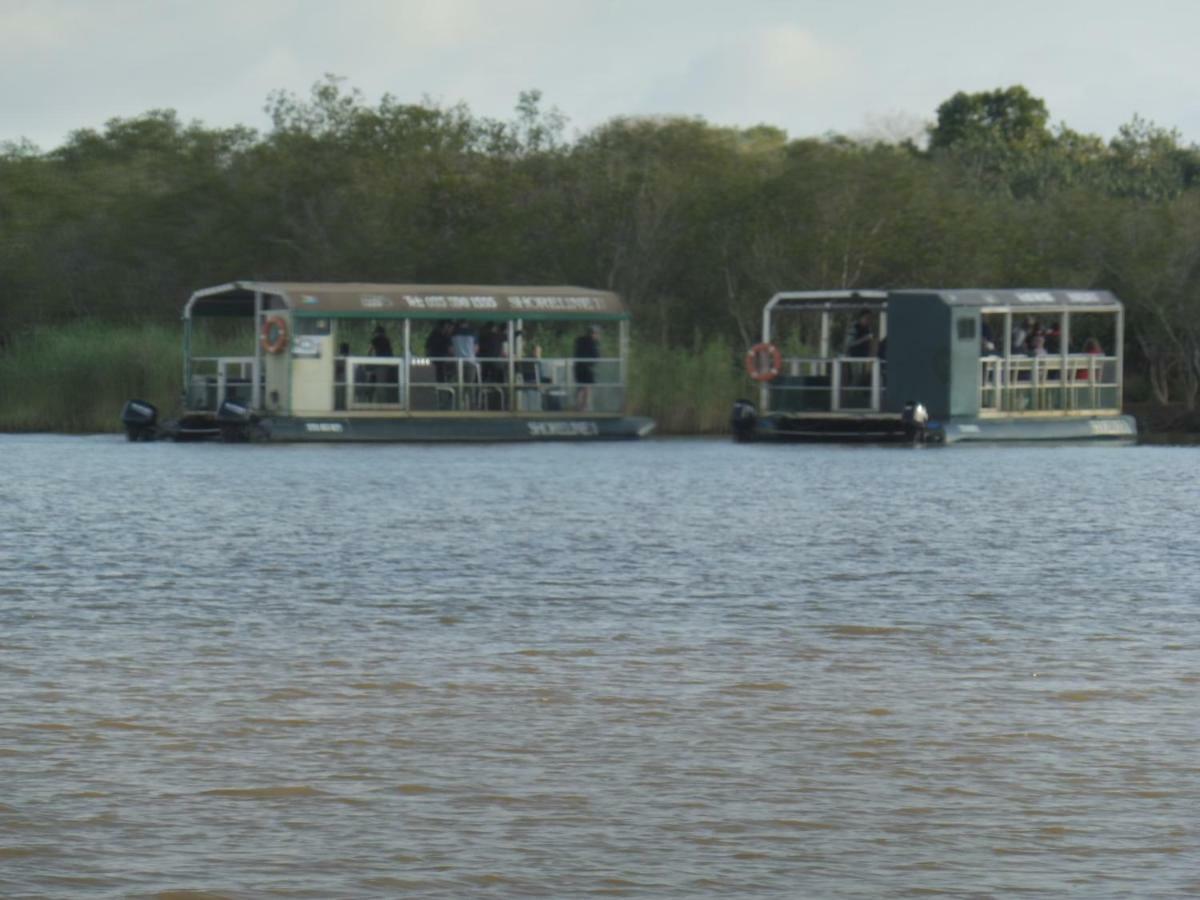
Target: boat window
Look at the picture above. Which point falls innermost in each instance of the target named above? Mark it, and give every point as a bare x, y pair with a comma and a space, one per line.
966, 329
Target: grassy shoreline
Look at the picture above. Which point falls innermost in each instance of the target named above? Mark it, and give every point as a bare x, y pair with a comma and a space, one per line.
75, 379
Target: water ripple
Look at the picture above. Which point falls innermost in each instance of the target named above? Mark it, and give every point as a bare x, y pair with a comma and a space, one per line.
554, 671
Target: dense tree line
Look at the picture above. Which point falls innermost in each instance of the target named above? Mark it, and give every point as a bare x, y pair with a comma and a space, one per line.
695, 224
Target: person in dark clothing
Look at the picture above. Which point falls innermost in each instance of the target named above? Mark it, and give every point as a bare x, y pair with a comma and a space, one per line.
859, 345
861, 336
439, 348
1054, 338
587, 347
381, 346
491, 351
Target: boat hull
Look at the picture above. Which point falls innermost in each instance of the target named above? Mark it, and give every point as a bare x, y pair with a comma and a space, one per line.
883, 429
1072, 429
813, 429
417, 429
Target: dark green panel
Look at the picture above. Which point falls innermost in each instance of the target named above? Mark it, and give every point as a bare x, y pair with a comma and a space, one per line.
919, 355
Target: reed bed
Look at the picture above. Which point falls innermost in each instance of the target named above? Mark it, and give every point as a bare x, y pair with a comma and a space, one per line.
686, 390
76, 378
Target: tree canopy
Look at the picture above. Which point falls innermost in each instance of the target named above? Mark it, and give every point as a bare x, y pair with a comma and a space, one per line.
696, 224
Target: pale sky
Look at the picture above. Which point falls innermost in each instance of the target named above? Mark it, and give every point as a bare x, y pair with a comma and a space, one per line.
859, 67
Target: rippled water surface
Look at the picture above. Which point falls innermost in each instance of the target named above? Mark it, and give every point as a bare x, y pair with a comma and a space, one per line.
667, 669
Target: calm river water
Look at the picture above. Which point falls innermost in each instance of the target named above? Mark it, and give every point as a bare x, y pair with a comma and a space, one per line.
667, 669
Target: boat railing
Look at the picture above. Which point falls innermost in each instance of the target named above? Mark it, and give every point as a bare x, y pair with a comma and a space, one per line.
215, 379
1083, 383
482, 384
369, 382
850, 384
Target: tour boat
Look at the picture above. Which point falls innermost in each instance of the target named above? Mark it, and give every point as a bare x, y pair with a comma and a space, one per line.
274, 361
938, 366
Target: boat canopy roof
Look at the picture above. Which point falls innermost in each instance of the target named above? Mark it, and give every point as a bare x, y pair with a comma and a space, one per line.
407, 301
831, 300
1024, 299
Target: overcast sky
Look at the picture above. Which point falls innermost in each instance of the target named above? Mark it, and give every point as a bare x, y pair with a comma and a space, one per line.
808, 66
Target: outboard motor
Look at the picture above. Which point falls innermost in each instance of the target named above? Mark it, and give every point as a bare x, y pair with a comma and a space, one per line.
915, 418
743, 420
234, 421
140, 419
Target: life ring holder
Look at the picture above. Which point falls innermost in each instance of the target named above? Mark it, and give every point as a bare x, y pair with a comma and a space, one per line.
274, 334
754, 359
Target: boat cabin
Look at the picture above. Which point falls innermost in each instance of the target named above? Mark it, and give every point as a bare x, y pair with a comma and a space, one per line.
362, 360
997, 363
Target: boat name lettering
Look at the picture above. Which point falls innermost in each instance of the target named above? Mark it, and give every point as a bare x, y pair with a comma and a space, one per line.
563, 429
556, 303
323, 427
1110, 426
1082, 297
376, 301
449, 301
1035, 297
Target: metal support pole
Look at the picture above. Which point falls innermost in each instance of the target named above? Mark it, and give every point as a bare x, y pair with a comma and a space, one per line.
1119, 353
407, 386
256, 388
187, 360
623, 353
1065, 379
511, 390
1007, 374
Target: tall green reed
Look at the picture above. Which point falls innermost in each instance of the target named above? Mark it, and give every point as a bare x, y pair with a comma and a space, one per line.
76, 378
686, 390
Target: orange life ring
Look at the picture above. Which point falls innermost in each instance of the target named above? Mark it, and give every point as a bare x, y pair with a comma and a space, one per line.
274, 334
754, 362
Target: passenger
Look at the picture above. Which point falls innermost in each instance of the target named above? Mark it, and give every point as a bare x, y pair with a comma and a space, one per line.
587, 347
494, 371
1021, 333
439, 348
465, 345
1092, 348
462, 339
861, 338
1053, 338
859, 345
491, 350
987, 342
381, 346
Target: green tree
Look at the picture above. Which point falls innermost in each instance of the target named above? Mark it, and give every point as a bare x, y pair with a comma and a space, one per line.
1010, 116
